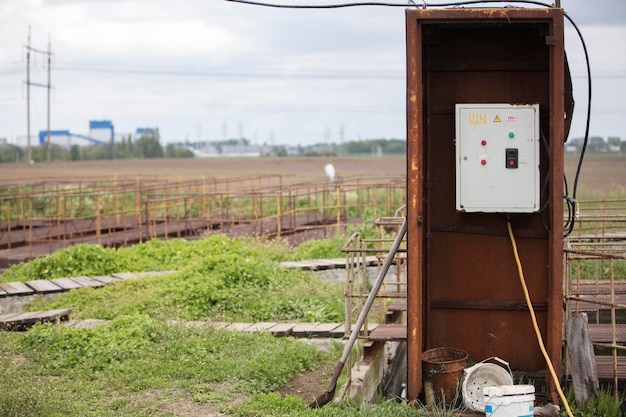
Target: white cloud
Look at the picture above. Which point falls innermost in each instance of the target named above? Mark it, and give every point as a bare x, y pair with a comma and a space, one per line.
192, 66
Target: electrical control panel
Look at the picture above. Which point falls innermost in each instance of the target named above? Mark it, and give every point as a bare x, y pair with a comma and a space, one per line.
497, 158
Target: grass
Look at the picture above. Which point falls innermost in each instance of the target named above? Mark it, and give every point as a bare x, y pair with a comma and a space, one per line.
115, 368
217, 279
139, 365
604, 405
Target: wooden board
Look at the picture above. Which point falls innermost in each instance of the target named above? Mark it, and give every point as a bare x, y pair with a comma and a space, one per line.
44, 286
16, 288
259, 327
604, 366
387, 332
340, 331
240, 327
153, 273
66, 283
218, 324
105, 279
324, 329
603, 333
282, 329
124, 275
88, 282
303, 329
24, 320
6, 317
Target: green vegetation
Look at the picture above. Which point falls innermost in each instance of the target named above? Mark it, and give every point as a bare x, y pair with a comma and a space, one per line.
598, 269
373, 147
271, 404
616, 192
163, 255
146, 362
146, 146
605, 405
111, 203
139, 366
216, 278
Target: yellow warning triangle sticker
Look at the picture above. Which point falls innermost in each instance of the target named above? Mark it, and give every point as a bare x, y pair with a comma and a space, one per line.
497, 119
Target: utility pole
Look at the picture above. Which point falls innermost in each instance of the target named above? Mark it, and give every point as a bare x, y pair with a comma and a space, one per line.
28, 149
341, 133
48, 53
49, 88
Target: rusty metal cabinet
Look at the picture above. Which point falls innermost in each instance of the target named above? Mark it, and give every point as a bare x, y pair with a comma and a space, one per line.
463, 283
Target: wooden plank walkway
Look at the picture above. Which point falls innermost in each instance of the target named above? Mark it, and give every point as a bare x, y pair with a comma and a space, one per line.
604, 367
29, 241
599, 333
21, 321
44, 286
16, 288
603, 333
596, 296
43, 247
321, 264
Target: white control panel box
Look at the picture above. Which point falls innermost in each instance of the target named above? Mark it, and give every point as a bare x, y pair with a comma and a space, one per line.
497, 158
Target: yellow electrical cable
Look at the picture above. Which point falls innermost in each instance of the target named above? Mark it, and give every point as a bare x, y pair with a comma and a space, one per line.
535, 326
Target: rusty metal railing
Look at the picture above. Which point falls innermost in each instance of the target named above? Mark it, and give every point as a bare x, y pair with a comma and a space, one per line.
595, 272
364, 255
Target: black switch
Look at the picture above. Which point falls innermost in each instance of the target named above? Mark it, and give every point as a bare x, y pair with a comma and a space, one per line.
511, 157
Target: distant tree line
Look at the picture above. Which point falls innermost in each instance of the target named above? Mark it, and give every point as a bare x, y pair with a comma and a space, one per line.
146, 146
598, 144
368, 147
374, 147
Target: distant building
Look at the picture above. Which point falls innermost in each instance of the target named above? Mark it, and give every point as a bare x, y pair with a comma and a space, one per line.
3, 142
101, 130
221, 149
148, 132
66, 139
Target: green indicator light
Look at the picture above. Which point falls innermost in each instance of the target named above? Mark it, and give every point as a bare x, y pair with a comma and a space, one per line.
511, 135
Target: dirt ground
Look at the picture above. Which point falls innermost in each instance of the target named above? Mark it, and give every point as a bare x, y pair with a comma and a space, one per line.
600, 173
300, 169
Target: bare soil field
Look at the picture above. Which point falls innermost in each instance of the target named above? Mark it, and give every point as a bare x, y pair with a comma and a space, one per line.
300, 169
600, 174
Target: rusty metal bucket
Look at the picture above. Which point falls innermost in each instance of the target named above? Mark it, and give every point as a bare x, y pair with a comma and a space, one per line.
442, 369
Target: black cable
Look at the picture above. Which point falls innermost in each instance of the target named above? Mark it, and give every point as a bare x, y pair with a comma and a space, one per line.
571, 200
376, 3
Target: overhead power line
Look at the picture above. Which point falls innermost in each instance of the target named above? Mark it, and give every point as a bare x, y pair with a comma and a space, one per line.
420, 4
340, 74
48, 54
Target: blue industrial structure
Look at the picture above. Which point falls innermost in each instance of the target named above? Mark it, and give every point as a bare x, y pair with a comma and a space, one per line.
59, 136
145, 131
101, 132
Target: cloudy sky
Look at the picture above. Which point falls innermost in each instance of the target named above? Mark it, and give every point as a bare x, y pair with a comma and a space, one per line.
213, 69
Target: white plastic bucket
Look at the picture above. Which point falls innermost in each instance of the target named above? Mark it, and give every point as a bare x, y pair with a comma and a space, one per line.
509, 401
480, 376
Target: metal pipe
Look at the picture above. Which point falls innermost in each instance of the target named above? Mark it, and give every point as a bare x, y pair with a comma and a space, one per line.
330, 393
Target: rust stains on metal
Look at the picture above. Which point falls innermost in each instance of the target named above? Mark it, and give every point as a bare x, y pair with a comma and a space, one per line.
457, 260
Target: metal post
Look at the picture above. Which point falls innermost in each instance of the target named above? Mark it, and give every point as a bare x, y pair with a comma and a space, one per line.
49, 87
29, 151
